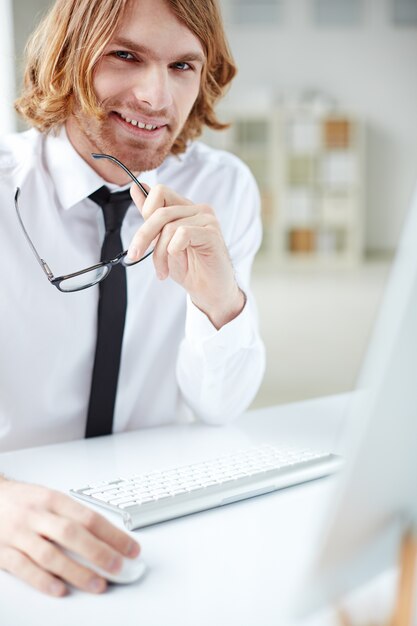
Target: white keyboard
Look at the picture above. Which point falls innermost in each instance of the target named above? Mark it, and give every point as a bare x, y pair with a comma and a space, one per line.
156, 496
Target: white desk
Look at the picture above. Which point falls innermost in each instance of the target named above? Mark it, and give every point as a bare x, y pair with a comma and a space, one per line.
225, 567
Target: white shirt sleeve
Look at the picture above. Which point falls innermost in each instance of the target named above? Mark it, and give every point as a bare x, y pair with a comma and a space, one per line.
219, 371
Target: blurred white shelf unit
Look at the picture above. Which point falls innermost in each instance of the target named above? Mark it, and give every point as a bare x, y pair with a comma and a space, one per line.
320, 210
310, 174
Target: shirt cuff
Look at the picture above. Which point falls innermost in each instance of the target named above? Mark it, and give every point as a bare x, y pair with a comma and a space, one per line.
205, 339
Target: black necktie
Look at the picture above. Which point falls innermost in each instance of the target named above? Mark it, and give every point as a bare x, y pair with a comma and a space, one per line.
111, 316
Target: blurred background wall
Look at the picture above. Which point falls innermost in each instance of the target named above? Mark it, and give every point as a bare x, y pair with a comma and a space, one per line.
364, 55
7, 64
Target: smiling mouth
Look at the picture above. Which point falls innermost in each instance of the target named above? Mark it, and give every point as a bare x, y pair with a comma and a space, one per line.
137, 123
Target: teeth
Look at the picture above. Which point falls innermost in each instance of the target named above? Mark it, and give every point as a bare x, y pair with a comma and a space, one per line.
138, 124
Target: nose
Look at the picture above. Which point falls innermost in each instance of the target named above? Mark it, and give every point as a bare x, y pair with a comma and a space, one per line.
153, 88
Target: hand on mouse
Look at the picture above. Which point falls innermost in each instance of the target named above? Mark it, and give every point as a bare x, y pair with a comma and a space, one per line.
36, 522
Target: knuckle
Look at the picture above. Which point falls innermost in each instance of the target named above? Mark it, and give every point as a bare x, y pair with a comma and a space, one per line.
90, 519
182, 231
207, 209
169, 230
47, 498
69, 530
211, 222
46, 554
214, 231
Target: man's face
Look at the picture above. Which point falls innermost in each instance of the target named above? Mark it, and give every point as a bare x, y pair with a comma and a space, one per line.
147, 82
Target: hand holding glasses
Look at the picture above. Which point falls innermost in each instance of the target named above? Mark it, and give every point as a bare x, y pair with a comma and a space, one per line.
91, 275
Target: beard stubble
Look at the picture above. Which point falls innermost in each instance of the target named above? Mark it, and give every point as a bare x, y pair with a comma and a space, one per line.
137, 155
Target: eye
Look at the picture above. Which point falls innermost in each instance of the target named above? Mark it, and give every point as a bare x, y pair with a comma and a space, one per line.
122, 54
182, 66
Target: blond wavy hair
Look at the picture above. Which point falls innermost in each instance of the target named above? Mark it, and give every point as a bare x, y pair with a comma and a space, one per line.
64, 49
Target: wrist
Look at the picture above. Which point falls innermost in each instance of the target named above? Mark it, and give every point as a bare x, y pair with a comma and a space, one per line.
223, 312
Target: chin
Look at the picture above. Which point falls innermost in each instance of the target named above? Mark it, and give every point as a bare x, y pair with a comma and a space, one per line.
138, 160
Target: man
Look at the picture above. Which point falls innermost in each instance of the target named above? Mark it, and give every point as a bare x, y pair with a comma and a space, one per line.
137, 80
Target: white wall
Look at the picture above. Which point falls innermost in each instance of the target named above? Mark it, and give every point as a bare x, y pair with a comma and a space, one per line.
7, 65
371, 70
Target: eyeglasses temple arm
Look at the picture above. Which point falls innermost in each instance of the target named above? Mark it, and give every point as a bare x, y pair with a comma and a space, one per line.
41, 262
120, 164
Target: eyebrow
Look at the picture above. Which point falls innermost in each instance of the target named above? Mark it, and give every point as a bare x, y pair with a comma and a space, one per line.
125, 42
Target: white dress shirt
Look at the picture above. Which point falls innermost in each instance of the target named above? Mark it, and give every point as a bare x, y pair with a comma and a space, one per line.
175, 365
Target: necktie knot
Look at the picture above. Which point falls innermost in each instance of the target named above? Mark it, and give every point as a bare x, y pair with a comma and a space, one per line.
114, 206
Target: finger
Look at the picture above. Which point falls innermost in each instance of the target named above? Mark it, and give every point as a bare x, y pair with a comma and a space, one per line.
96, 524
138, 196
161, 196
21, 566
151, 229
53, 560
73, 535
190, 236
160, 255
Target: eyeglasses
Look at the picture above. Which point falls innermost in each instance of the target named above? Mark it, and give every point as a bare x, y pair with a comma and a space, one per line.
89, 276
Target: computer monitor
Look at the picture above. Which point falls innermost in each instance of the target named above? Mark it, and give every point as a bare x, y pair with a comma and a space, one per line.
375, 498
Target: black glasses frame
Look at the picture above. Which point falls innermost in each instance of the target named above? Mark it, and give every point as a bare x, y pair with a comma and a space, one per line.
56, 281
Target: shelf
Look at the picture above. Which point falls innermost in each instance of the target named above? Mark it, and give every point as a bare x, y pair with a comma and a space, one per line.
311, 179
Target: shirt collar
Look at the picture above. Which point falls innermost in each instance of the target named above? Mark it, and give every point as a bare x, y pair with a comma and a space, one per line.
72, 177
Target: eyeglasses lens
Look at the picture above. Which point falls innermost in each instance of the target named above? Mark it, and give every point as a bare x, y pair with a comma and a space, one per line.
87, 279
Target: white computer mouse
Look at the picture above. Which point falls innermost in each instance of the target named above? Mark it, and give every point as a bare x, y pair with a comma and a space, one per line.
132, 569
